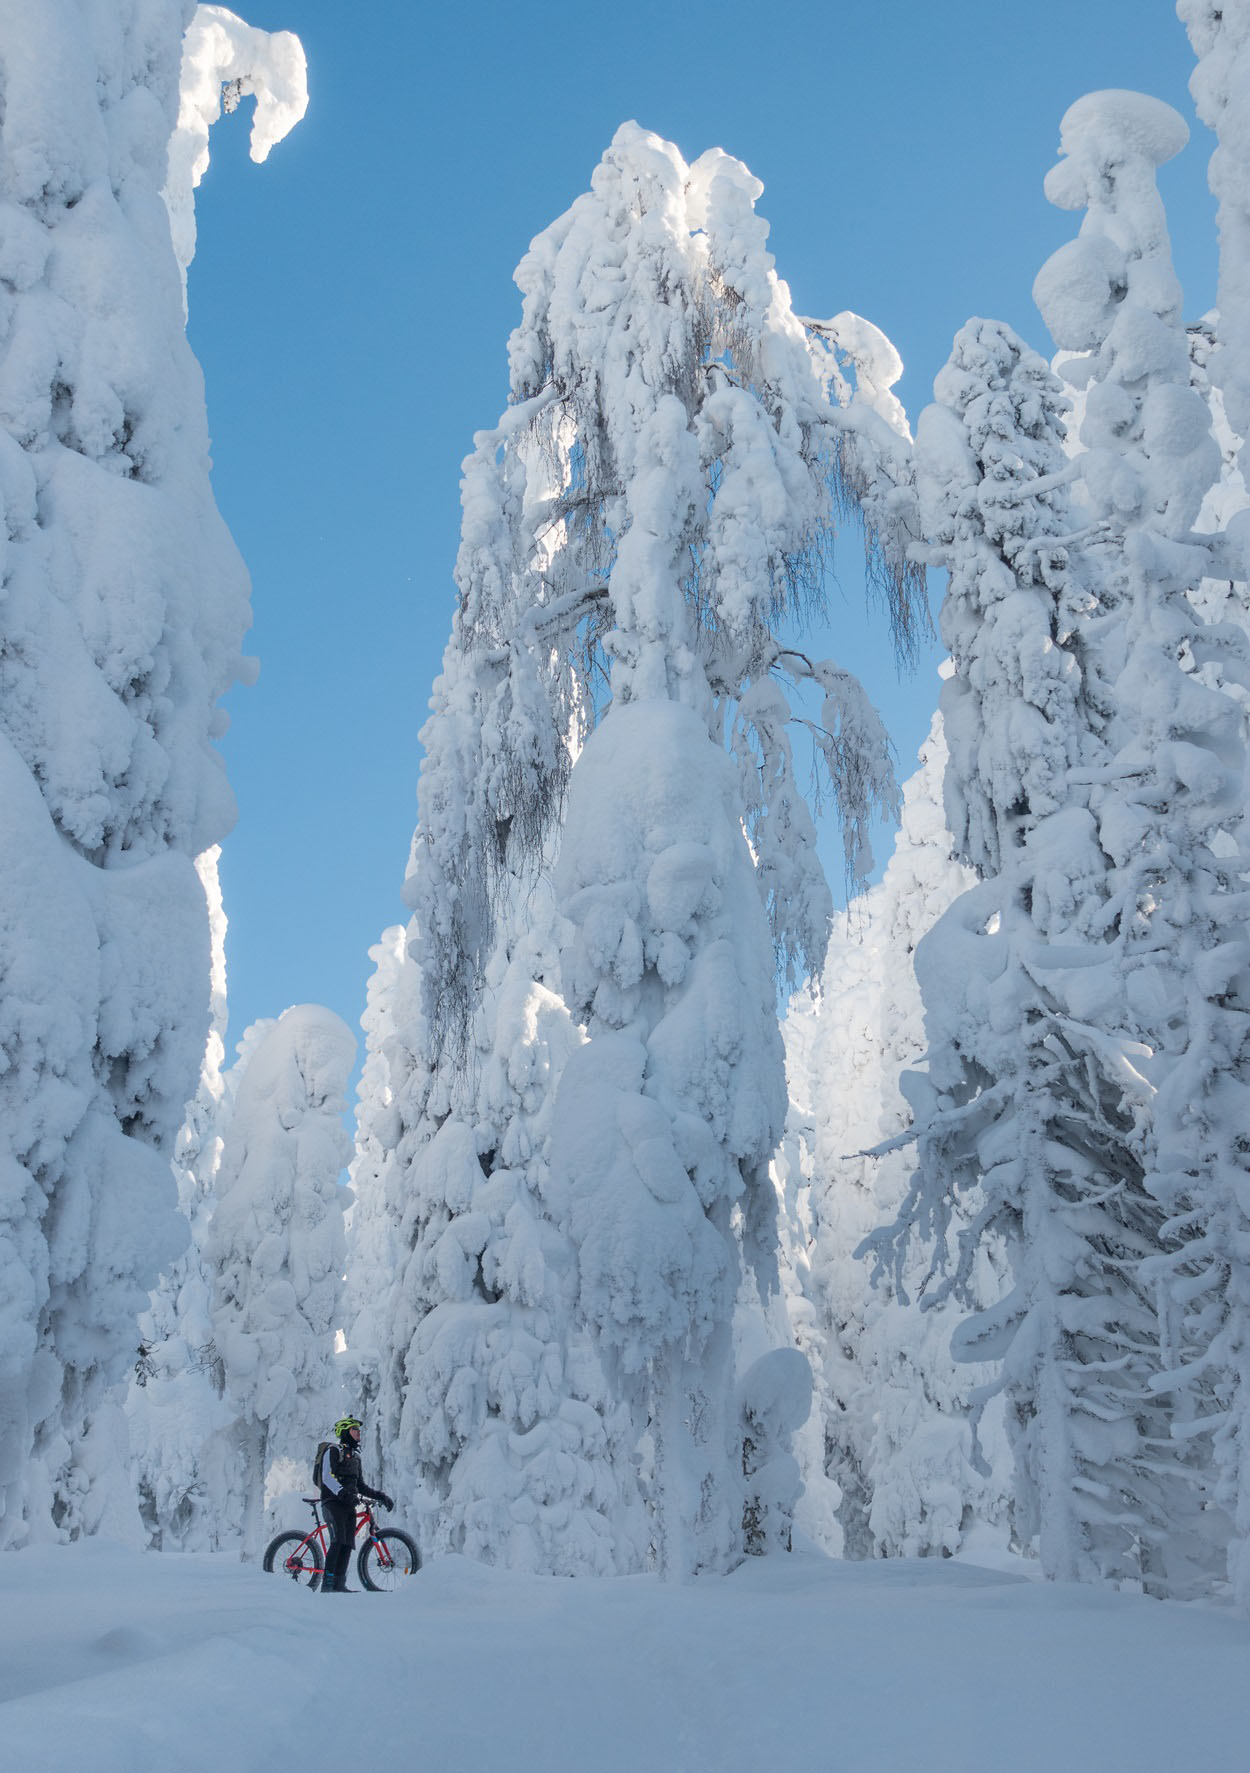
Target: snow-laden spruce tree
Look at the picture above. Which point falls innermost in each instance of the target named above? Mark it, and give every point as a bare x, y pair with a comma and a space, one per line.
275, 1247
1006, 1117
1094, 757
1177, 728
124, 604
893, 1405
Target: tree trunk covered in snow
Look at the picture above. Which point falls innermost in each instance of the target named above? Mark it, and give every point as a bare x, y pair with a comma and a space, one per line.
666, 1118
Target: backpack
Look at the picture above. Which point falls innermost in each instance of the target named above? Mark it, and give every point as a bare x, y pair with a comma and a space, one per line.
323, 1448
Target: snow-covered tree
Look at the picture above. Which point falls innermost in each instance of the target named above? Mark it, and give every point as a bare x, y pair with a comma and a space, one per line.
719, 461
693, 421
655, 501
123, 610
894, 1406
1095, 758
175, 1405
687, 409
774, 1402
1177, 729
275, 1246
994, 1111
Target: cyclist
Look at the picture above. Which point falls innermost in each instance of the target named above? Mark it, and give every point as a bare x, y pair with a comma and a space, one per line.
342, 1485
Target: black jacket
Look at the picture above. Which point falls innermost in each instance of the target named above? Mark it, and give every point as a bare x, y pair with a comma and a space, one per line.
344, 1472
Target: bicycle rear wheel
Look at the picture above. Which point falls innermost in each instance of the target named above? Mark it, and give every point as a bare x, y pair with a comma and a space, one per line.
296, 1555
386, 1559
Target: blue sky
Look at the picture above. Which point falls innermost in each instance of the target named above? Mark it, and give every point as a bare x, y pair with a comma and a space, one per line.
351, 301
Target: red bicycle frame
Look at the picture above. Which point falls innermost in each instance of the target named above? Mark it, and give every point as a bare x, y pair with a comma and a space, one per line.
320, 1532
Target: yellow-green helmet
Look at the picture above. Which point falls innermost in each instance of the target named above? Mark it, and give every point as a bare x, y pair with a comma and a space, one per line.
344, 1423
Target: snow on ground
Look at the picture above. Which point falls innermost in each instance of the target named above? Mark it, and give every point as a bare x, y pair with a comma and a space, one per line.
115, 1661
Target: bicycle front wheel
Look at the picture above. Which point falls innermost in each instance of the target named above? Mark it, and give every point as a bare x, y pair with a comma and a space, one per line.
386, 1559
295, 1555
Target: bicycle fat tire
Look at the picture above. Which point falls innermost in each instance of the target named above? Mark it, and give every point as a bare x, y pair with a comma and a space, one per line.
405, 1560
281, 1557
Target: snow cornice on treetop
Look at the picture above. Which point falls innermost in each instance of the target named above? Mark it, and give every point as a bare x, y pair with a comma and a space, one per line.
1106, 130
225, 60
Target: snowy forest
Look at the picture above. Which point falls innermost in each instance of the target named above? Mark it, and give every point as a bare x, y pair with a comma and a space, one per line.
687, 1218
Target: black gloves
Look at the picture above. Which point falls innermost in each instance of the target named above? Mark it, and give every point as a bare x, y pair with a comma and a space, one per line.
386, 1501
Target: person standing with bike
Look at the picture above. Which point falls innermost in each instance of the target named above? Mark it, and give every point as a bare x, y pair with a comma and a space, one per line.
342, 1484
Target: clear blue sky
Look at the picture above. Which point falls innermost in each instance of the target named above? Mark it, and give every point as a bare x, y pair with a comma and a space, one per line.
351, 301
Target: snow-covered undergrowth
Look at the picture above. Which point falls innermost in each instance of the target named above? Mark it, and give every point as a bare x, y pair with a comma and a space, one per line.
113, 1661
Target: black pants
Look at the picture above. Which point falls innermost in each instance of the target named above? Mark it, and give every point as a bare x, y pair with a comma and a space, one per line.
340, 1517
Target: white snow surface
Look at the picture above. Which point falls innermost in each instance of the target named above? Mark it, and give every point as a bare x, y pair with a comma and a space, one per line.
125, 1662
